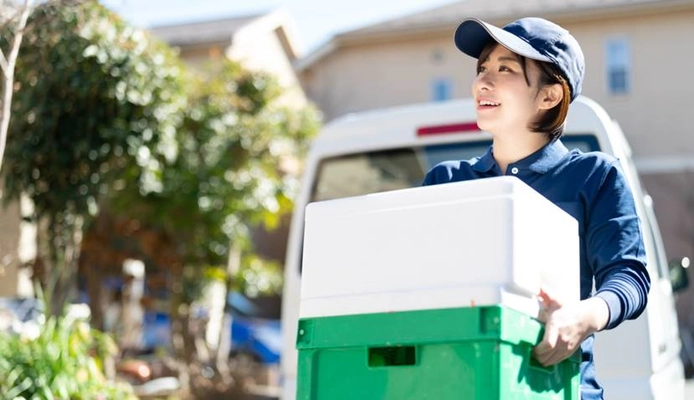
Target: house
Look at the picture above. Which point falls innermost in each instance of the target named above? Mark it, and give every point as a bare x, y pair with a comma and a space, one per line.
637, 52
262, 42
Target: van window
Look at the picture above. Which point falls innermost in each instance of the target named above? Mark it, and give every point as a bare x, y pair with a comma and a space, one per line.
391, 169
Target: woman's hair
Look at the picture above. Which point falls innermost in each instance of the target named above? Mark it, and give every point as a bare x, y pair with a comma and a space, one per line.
552, 121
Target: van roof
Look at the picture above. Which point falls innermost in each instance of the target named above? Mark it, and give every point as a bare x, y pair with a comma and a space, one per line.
398, 126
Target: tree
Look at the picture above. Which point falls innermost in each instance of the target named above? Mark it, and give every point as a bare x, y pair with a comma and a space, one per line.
92, 96
227, 178
106, 123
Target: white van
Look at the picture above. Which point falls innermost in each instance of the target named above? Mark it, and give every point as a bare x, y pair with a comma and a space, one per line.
394, 148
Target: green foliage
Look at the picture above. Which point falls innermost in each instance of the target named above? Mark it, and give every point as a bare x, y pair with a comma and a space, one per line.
65, 361
102, 114
93, 95
259, 277
228, 173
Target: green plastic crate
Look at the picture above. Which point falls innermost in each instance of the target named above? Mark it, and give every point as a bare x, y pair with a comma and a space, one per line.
476, 353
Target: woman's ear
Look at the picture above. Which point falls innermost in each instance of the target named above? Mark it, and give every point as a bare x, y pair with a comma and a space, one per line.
550, 96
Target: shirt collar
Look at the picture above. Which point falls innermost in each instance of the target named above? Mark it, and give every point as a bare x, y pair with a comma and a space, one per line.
486, 162
540, 161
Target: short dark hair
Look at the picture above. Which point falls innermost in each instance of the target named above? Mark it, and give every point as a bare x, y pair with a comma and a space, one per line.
551, 122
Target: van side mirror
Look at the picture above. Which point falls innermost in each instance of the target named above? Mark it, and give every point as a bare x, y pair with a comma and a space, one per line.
678, 274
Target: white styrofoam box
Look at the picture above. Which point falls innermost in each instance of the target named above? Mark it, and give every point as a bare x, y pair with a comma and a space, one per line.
482, 242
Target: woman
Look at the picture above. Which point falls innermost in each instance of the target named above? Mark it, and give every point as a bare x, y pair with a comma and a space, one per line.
527, 74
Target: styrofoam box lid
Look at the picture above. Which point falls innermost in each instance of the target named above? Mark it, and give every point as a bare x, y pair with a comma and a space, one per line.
481, 242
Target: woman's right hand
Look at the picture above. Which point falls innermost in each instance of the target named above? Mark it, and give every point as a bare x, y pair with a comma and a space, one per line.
566, 326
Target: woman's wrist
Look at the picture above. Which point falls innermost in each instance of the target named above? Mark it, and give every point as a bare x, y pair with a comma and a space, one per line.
597, 313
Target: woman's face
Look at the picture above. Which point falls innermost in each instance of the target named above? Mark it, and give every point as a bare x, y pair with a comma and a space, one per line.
505, 101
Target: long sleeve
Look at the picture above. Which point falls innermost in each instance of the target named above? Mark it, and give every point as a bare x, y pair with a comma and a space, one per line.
615, 249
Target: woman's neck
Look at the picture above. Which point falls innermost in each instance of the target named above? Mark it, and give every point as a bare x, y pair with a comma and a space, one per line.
508, 150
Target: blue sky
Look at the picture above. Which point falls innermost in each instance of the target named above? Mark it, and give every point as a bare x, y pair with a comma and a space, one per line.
316, 20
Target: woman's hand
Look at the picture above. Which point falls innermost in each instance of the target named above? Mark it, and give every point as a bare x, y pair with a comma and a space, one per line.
566, 326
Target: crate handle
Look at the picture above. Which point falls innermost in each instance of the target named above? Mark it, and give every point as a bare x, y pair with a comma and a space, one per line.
393, 356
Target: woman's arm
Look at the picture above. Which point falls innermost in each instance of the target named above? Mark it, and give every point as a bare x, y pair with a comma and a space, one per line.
616, 257
615, 249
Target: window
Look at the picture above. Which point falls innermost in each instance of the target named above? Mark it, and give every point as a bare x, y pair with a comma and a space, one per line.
618, 63
391, 169
441, 89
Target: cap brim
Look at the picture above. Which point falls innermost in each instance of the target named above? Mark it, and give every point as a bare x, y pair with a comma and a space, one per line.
472, 35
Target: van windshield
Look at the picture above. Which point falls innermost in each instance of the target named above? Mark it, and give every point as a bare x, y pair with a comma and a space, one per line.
391, 169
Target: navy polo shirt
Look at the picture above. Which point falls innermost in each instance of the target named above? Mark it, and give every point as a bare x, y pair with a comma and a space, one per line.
592, 188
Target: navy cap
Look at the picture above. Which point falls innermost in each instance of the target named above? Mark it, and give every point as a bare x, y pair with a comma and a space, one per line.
534, 38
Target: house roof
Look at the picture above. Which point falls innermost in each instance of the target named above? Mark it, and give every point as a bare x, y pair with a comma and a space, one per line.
447, 16
202, 32
503, 9
209, 32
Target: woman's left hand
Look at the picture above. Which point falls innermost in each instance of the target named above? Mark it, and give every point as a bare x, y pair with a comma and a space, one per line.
566, 326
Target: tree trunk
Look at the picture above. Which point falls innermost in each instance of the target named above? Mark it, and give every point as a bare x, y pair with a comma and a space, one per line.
59, 251
224, 340
181, 340
94, 277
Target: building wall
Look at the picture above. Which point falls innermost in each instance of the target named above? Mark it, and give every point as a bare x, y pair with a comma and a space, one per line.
199, 56
9, 243
16, 246
263, 51
655, 113
367, 76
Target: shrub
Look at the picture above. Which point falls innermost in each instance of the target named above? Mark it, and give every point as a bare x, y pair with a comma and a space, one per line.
64, 360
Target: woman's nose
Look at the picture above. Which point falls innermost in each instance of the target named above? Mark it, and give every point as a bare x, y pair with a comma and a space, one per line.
483, 81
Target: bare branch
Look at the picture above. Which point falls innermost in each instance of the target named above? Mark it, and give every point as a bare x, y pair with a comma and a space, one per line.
8, 74
3, 63
5, 22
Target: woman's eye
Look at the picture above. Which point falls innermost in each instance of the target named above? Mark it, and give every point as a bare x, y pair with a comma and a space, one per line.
481, 69
504, 68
